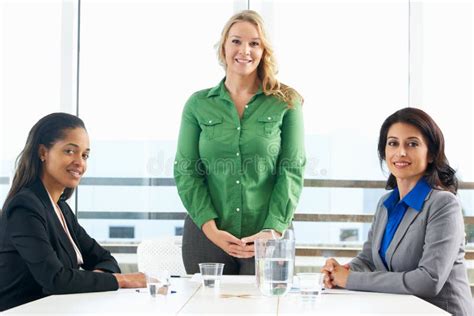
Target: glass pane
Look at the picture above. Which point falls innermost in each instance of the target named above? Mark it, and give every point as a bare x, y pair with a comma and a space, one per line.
349, 61
31, 74
447, 77
446, 81
140, 61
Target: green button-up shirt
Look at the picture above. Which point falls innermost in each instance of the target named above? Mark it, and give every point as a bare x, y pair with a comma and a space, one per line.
245, 173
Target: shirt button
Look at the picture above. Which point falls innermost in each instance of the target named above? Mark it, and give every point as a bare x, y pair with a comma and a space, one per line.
210, 122
269, 118
175, 162
237, 181
246, 106
237, 154
237, 209
238, 128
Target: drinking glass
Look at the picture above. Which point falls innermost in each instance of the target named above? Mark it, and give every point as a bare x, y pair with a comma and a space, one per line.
311, 284
157, 282
211, 273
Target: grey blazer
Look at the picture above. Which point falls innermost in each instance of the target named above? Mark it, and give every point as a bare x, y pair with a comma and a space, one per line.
425, 257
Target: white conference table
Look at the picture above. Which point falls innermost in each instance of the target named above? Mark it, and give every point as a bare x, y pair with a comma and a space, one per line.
237, 295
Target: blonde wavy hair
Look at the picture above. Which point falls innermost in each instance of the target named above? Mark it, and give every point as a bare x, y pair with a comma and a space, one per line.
268, 68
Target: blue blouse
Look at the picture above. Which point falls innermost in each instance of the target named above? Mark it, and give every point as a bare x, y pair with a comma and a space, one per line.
397, 209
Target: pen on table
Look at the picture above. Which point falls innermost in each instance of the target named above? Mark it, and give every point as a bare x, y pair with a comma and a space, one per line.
145, 291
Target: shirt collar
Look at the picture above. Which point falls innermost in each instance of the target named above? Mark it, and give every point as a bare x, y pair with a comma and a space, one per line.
215, 91
392, 199
414, 199
221, 91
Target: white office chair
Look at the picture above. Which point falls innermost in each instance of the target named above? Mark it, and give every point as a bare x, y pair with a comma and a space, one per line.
161, 254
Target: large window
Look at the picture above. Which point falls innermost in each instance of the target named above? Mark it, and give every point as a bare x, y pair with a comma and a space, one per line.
355, 63
37, 71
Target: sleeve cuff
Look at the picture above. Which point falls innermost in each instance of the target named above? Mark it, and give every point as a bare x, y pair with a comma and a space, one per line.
204, 218
108, 267
114, 285
275, 224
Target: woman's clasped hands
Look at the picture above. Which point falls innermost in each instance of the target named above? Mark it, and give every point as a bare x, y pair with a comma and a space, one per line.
239, 248
226, 241
335, 274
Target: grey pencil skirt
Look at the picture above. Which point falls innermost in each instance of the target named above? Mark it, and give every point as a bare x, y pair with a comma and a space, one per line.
197, 248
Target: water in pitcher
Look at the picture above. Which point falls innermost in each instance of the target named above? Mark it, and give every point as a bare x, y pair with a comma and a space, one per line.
274, 275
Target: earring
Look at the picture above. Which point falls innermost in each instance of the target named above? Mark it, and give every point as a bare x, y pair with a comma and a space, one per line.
42, 159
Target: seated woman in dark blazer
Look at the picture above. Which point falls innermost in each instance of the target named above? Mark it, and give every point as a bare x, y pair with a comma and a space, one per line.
43, 249
416, 242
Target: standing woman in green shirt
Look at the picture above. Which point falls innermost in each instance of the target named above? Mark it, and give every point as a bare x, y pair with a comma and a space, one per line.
240, 158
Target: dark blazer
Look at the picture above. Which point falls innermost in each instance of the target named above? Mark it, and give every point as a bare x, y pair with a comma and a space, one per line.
36, 256
425, 257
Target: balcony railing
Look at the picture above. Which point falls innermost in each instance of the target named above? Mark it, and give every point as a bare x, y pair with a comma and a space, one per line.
314, 216
333, 251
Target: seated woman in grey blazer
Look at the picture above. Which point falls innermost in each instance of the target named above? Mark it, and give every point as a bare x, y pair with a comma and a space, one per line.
43, 249
416, 242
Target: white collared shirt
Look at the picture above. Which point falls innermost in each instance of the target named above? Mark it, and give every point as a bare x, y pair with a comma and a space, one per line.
62, 220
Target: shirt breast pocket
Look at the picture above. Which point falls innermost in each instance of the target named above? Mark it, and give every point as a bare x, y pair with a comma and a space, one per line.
268, 125
211, 127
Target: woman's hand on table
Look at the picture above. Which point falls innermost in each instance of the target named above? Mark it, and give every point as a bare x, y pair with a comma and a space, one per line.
335, 274
131, 280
